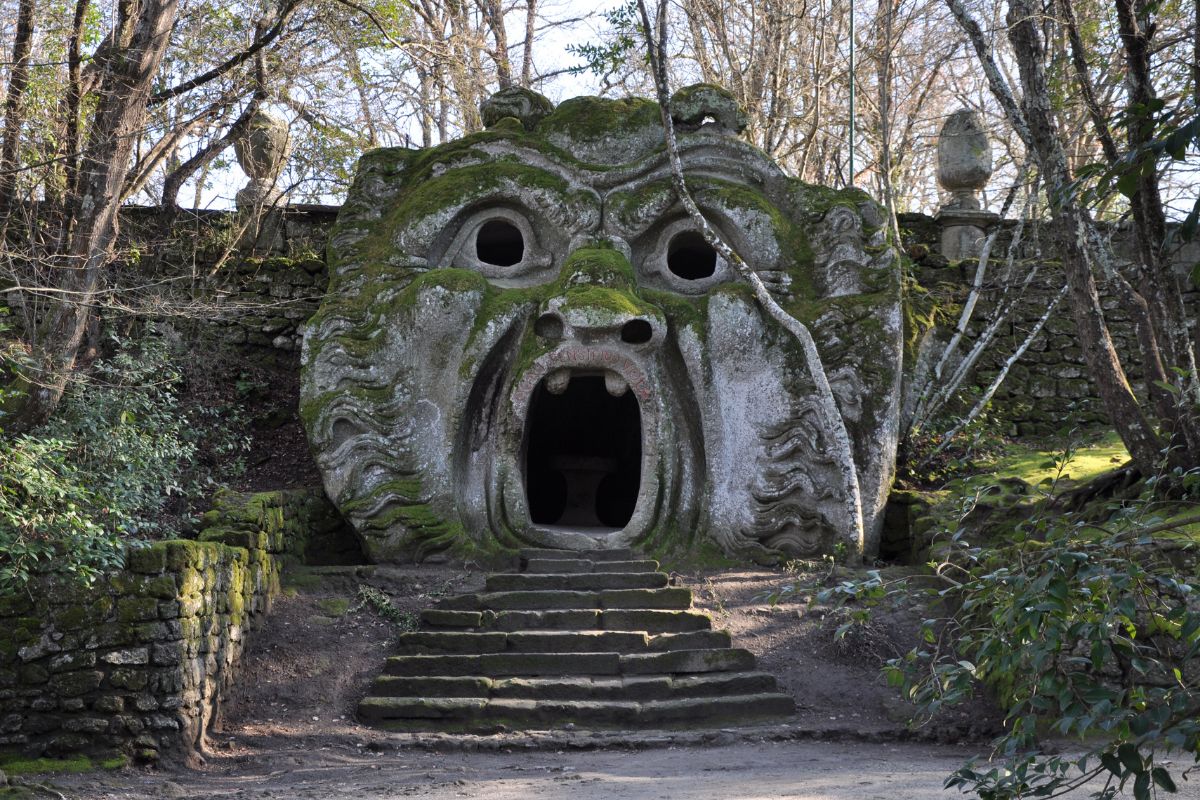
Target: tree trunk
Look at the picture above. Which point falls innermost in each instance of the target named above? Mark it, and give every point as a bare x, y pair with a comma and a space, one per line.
1069, 229
127, 65
14, 109
1156, 282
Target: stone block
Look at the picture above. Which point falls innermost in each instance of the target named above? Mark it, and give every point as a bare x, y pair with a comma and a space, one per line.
73, 684
147, 560
73, 660
128, 678
137, 609
137, 655
109, 704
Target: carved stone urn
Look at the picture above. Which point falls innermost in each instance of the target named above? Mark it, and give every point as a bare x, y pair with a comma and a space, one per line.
964, 167
261, 154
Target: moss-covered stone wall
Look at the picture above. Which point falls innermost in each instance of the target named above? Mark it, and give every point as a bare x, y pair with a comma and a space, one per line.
1049, 387
136, 665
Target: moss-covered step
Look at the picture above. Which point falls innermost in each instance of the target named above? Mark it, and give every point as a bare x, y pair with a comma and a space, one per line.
560, 565
578, 687
576, 581
537, 600
480, 715
648, 620
528, 554
558, 654
562, 641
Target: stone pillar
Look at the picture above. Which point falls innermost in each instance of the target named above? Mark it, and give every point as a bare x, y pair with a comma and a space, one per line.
262, 153
964, 166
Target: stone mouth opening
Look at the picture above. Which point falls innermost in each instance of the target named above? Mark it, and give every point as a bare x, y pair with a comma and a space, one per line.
583, 452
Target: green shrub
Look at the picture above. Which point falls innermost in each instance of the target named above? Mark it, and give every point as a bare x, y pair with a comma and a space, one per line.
135, 439
48, 519
119, 463
1074, 629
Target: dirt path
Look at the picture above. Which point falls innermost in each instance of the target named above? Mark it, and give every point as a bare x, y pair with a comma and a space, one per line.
799, 770
745, 771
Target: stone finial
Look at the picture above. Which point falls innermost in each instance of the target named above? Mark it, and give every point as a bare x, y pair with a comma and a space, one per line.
964, 159
692, 105
964, 166
261, 153
518, 102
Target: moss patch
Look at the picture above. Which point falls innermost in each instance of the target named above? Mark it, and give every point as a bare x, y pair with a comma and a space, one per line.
334, 606
16, 765
591, 118
1037, 465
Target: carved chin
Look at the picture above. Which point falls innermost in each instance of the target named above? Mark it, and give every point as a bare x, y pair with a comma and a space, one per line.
583, 450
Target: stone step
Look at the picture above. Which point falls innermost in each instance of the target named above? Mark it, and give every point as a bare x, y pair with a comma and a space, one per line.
631, 688
648, 620
668, 598
536, 553
582, 565
568, 641
596, 639
481, 715
574, 582
499, 664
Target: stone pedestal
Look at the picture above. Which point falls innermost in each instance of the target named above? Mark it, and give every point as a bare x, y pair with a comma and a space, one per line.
963, 231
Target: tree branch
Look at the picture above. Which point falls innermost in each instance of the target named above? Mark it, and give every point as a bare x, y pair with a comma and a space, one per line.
834, 424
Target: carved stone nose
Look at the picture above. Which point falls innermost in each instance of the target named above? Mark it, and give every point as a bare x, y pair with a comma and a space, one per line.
549, 326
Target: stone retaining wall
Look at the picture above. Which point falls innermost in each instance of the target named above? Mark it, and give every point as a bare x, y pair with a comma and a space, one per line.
137, 664
1049, 387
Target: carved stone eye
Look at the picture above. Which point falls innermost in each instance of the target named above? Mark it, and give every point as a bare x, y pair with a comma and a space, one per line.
500, 243
690, 257
503, 245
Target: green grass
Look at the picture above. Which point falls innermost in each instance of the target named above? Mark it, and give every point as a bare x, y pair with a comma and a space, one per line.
16, 765
1034, 465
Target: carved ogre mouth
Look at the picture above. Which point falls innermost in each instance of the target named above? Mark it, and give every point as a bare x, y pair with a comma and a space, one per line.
583, 451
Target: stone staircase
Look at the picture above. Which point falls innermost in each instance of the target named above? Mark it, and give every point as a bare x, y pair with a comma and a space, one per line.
592, 639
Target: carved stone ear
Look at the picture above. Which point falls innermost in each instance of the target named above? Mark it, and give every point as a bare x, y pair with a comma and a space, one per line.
523, 104
692, 105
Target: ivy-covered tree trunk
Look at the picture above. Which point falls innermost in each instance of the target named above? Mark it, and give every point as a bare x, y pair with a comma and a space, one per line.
14, 101
126, 63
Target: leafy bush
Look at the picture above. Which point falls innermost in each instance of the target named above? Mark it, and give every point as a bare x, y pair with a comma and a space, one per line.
48, 519
135, 439
1076, 630
119, 463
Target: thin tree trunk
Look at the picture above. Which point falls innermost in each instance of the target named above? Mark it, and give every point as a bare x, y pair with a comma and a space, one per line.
493, 14
994, 386
127, 67
1157, 283
527, 55
1069, 228
14, 112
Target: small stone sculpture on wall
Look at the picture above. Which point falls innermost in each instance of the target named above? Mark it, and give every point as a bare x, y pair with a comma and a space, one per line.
964, 167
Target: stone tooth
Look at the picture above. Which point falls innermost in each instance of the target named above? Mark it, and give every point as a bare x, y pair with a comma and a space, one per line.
614, 383
556, 381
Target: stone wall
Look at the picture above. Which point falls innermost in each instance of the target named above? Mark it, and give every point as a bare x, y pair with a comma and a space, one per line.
251, 289
137, 664
262, 288
1049, 387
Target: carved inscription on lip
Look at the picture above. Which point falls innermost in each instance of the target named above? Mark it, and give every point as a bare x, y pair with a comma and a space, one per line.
579, 356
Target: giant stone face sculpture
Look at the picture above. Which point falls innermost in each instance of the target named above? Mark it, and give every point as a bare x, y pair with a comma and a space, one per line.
526, 342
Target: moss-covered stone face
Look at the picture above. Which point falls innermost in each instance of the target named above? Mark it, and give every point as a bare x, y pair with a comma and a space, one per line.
525, 341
